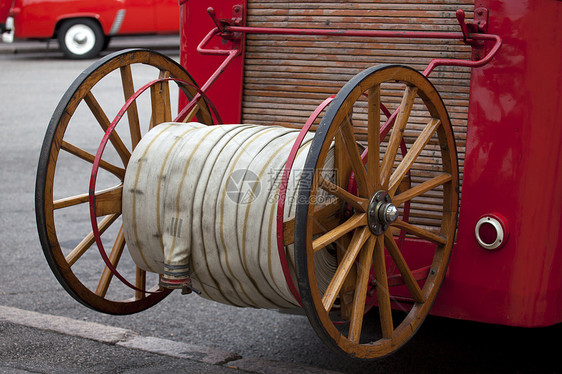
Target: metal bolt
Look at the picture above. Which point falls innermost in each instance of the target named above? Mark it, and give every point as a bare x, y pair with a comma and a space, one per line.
390, 213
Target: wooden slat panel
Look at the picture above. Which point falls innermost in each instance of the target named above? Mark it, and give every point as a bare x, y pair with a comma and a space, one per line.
286, 77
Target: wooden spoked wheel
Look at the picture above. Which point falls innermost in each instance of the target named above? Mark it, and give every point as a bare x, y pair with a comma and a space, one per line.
65, 166
373, 268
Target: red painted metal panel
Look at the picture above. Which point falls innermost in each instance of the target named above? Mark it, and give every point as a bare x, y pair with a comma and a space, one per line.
513, 166
195, 23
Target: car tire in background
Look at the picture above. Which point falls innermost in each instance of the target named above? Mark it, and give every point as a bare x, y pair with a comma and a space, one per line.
81, 38
106, 41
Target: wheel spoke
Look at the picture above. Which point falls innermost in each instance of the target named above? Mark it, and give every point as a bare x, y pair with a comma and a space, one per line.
331, 236
350, 145
341, 162
192, 113
140, 283
104, 122
383, 294
166, 96
361, 288
360, 236
105, 196
89, 239
419, 232
72, 149
357, 202
412, 154
397, 132
71, 201
132, 112
373, 137
326, 217
114, 257
343, 167
403, 267
348, 287
160, 103
196, 106
422, 188
109, 202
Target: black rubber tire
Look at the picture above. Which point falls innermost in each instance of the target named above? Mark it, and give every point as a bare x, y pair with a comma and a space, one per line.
95, 39
106, 41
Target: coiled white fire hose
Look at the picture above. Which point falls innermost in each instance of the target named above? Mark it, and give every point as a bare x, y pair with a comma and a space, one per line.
201, 201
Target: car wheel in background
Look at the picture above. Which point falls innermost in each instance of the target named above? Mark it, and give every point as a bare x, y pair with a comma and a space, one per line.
81, 38
106, 41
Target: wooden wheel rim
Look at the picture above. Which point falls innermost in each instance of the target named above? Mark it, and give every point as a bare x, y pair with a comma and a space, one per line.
311, 296
44, 203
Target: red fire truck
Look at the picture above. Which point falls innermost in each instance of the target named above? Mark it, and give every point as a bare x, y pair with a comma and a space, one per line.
438, 120
84, 28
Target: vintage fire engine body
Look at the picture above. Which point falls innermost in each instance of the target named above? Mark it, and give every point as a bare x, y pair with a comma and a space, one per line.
481, 123
512, 145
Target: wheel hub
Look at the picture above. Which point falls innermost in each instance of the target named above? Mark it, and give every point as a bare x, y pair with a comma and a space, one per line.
381, 212
80, 38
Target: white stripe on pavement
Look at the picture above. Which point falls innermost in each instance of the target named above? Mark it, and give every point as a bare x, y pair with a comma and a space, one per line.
129, 339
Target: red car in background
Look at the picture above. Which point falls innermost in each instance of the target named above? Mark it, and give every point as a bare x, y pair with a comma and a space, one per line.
84, 27
4, 11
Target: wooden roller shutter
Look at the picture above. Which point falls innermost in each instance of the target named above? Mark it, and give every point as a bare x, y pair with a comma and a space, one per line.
286, 77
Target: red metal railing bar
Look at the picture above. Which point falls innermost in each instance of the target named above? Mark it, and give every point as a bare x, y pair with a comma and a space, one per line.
466, 63
232, 53
350, 33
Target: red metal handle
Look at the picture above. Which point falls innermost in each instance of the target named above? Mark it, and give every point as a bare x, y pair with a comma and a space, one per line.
471, 64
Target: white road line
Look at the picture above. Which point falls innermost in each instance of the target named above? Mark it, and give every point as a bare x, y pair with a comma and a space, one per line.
129, 339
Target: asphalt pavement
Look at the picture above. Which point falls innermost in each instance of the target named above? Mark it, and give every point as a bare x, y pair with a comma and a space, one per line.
30, 350
32, 342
